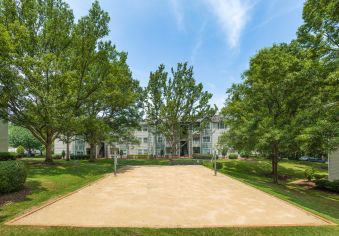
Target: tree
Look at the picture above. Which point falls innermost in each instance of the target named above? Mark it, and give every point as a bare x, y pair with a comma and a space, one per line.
176, 104
320, 36
114, 107
19, 136
46, 75
261, 112
35, 94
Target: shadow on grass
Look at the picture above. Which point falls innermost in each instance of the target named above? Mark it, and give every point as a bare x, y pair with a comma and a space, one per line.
22, 195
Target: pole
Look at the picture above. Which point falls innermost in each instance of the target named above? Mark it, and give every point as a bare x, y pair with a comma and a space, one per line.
215, 164
115, 165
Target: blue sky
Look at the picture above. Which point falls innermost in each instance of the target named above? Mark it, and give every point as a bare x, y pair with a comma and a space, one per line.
217, 37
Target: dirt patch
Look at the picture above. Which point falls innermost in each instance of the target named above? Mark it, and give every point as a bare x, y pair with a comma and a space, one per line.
304, 183
15, 196
280, 176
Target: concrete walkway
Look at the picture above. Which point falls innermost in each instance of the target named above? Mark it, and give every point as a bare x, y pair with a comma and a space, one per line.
169, 196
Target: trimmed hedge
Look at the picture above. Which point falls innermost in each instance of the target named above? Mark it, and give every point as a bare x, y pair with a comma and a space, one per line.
5, 156
184, 162
328, 185
56, 156
233, 156
202, 156
138, 156
80, 157
13, 175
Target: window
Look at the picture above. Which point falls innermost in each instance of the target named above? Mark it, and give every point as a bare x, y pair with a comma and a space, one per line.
196, 139
221, 125
145, 140
159, 139
139, 151
140, 140
215, 125
206, 139
145, 151
208, 126
144, 128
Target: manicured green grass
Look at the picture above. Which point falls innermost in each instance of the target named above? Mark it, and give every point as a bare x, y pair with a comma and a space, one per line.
47, 182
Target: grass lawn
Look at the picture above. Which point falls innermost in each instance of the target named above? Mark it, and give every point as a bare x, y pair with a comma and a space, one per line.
48, 182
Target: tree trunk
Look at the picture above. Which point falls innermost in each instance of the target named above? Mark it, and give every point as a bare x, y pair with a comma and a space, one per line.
49, 144
275, 168
68, 156
93, 152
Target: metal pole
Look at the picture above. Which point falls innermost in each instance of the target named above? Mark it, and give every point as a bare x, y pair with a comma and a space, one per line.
215, 164
115, 165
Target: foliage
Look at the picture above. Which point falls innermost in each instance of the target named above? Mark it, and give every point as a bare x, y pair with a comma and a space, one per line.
18, 136
63, 153
20, 150
5, 156
233, 156
328, 185
80, 157
175, 105
309, 173
202, 156
12, 176
138, 156
219, 165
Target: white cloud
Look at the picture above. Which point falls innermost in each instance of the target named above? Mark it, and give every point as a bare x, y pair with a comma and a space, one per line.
232, 16
178, 12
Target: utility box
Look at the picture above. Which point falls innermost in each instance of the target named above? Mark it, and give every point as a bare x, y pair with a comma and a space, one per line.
333, 165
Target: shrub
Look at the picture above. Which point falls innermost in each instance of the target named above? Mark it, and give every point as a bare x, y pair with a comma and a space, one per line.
233, 156
138, 156
184, 162
328, 185
79, 157
202, 156
5, 156
12, 176
319, 176
309, 173
56, 156
20, 150
245, 154
219, 165
63, 154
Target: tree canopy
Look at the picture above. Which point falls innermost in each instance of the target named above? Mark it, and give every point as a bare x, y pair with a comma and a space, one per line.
177, 103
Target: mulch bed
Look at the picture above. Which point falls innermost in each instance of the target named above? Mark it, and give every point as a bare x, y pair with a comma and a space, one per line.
14, 197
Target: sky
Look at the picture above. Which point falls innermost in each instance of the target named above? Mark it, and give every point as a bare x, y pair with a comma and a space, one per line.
216, 37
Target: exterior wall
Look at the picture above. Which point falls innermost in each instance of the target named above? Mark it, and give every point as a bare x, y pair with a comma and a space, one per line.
333, 165
3, 137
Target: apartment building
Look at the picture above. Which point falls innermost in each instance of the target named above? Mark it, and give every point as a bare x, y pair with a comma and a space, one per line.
195, 140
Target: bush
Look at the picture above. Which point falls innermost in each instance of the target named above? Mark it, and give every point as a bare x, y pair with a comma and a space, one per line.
202, 156
309, 173
245, 154
20, 150
5, 156
184, 162
63, 154
56, 156
12, 176
138, 156
328, 185
79, 157
233, 156
219, 165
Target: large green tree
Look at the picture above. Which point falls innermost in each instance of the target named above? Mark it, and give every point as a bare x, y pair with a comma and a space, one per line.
261, 111
174, 105
50, 64
319, 34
